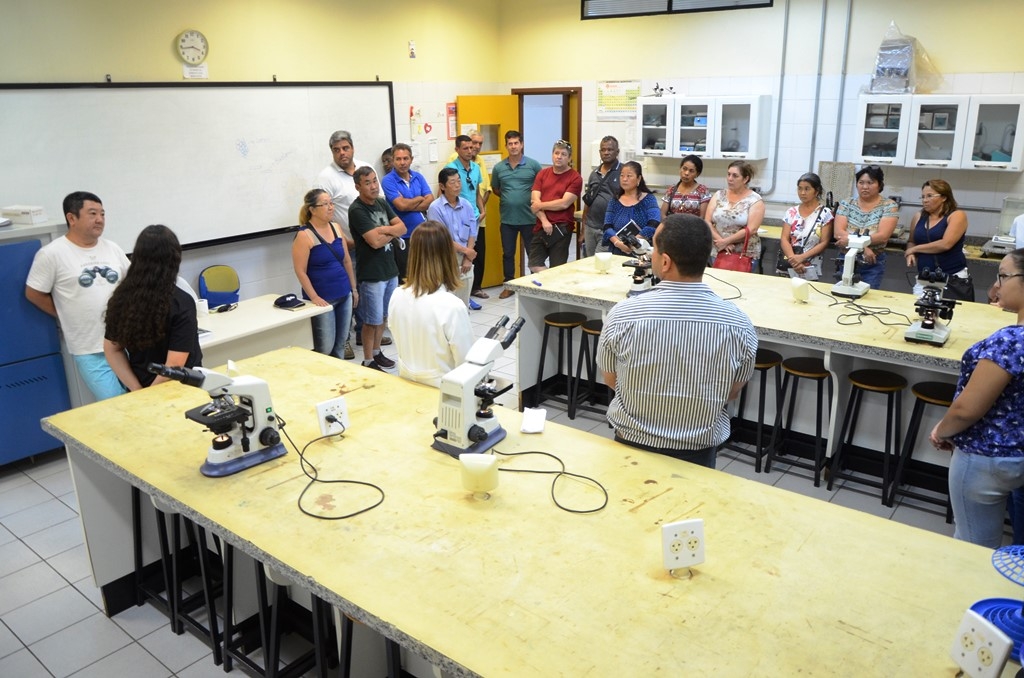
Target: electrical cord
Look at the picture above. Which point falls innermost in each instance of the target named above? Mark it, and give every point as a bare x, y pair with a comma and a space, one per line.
876, 312
558, 474
313, 474
739, 292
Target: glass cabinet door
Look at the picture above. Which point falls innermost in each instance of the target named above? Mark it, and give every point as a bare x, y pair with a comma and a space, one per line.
694, 132
883, 122
938, 125
654, 126
991, 140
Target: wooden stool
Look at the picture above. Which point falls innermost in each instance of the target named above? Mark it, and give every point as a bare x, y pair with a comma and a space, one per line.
565, 322
796, 369
591, 332
170, 598
764, 361
927, 393
889, 384
276, 616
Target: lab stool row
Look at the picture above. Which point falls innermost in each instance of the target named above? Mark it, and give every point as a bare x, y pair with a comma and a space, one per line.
887, 470
252, 643
577, 387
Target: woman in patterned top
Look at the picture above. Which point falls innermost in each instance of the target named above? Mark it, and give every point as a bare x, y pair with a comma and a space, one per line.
868, 214
984, 427
687, 196
807, 231
736, 213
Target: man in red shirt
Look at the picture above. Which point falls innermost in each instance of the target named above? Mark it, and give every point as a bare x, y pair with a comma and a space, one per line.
555, 191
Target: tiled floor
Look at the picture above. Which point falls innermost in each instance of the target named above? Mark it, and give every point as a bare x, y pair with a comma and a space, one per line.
50, 618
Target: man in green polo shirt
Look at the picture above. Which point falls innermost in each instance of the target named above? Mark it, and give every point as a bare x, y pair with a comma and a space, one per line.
512, 181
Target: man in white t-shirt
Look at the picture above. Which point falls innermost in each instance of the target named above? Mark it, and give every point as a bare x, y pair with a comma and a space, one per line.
337, 179
72, 279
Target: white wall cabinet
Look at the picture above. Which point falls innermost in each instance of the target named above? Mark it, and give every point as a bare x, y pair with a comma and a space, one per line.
883, 121
712, 127
655, 120
991, 141
938, 126
943, 131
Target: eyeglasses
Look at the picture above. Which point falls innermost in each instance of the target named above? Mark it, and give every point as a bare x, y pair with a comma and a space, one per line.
1003, 277
324, 204
562, 143
930, 196
469, 181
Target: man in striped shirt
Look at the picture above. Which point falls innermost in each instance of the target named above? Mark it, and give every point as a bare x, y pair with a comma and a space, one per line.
676, 355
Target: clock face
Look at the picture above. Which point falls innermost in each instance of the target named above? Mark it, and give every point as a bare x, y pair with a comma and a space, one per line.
192, 47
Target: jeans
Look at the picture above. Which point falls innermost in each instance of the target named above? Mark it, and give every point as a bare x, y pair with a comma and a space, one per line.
978, 488
509, 232
872, 274
98, 376
374, 298
592, 238
330, 330
481, 251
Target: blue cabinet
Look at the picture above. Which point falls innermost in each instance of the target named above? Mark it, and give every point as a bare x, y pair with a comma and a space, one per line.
32, 381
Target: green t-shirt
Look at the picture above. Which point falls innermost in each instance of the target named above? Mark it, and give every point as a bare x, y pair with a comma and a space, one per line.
516, 185
372, 265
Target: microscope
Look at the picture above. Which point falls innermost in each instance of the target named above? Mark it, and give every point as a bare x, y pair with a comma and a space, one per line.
932, 308
847, 287
240, 408
642, 276
465, 421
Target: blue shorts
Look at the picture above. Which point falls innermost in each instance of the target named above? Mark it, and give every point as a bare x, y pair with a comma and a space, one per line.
374, 298
98, 376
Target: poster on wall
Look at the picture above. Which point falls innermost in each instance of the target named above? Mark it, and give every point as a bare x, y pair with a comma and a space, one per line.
616, 99
450, 116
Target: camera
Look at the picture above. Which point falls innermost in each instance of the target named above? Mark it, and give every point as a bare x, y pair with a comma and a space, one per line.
784, 264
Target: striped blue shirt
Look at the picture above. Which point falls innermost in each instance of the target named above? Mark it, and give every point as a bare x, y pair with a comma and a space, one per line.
676, 352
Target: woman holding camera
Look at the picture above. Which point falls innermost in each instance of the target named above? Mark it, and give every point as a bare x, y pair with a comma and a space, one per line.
937, 239
806, 233
634, 202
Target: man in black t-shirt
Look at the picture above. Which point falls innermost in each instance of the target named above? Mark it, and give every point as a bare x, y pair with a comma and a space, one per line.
376, 229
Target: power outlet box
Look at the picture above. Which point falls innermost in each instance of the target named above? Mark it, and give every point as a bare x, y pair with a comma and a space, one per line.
979, 648
336, 407
682, 543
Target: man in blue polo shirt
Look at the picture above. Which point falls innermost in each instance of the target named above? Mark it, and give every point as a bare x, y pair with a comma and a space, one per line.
512, 181
408, 194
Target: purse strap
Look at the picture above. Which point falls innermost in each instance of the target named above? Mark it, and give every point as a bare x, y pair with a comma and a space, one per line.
324, 242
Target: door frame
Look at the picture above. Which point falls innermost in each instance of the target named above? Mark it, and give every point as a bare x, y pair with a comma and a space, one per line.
568, 95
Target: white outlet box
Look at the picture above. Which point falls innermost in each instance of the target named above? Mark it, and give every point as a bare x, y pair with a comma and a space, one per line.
979, 648
682, 543
335, 406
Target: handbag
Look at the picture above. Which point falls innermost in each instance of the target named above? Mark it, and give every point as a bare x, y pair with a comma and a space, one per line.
594, 189
735, 261
782, 266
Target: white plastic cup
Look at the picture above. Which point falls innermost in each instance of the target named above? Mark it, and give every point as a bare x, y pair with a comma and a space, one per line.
202, 308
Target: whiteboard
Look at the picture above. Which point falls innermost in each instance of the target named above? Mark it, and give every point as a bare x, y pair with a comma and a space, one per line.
212, 161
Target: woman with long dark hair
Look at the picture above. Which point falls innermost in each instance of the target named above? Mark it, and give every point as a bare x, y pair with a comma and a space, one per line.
430, 325
149, 318
634, 202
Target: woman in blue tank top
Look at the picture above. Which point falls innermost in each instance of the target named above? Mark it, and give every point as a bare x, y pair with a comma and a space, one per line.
937, 239
324, 269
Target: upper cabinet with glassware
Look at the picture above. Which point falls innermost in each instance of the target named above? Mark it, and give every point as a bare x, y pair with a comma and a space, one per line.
708, 127
941, 131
